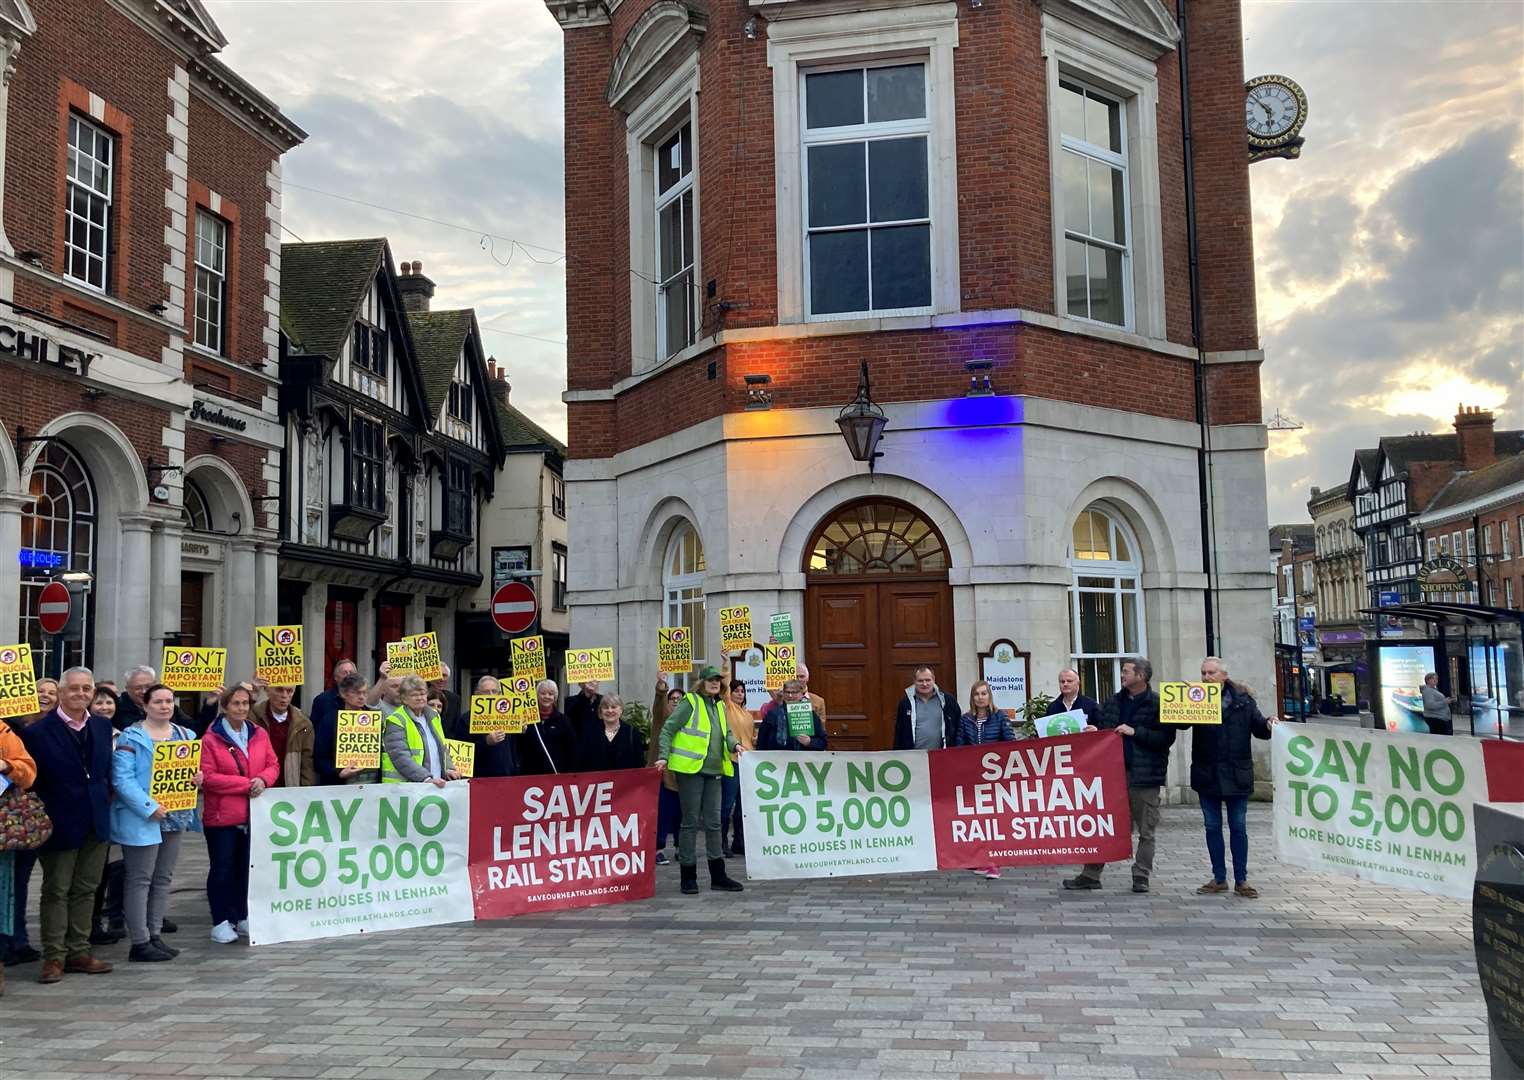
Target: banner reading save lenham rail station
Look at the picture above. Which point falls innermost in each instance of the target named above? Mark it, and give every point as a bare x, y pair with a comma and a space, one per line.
1029, 803
1389, 808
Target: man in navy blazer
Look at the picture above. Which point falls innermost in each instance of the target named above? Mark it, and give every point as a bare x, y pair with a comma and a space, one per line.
72, 749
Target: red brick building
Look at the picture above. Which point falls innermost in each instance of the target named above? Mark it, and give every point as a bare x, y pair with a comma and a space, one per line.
139, 278
987, 203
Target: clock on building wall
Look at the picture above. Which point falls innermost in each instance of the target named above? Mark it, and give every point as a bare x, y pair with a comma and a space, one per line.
1275, 108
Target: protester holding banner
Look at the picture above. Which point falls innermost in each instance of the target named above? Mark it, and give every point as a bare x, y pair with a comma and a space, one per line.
582, 710
291, 736
237, 764
1069, 698
149, 834
548, 746
72, 750
1222, 775
495, 752
983, 723
349, 693
773, 730
325, 707
1133, 712
743, 726
696, 744
927, 719
669, 810
413, 745
19, 771
613, 744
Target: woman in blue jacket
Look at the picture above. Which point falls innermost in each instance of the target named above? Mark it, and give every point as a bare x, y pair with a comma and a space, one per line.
149, 834
983, 723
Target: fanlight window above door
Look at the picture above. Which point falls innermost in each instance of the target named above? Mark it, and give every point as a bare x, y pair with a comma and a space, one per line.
870, 538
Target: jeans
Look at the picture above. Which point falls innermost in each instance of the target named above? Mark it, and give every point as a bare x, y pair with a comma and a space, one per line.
1144, 804
700, 796
145, 892
69, 879
18, 939
227, 876
1238, 828
669, 815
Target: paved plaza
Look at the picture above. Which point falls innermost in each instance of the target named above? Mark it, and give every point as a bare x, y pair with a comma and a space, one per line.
926, 976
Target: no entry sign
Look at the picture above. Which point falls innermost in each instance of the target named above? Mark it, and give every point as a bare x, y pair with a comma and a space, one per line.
53, 607
514, 607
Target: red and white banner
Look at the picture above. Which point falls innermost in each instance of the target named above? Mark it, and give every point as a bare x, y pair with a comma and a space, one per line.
1031, 803
547, 843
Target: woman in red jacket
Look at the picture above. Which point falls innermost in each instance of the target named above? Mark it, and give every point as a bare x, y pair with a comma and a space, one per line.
238, 763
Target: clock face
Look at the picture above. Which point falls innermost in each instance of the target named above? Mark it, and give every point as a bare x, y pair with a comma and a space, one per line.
1272, 110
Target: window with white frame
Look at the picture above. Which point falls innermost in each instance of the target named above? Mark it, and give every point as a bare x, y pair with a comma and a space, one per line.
1093, 181
557, 495
683, 592
867, 189
211, 281
557, 577
676, 295
1505, 540
1433, 547
88, 209
1486, 539
1105, 600
1508, 592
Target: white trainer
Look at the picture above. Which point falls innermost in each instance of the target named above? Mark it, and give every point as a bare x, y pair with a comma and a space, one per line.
224, 934
242, 927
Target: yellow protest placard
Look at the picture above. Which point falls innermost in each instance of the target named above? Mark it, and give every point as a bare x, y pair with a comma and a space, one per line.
463, 757
399, 658
674, 650
523, 702
589, 665
489, 712
735, 629
359, 742
278, 655
528, 656
194, 668
780, 663
1190, 703
171, 778
426, 662
18, 682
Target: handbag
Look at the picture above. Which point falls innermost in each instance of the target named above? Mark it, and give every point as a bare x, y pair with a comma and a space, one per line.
24, 821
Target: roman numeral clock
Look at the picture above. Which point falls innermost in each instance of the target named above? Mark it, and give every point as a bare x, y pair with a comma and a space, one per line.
1275, 110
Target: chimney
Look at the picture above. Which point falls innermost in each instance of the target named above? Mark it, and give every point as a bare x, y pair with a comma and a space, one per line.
416, 289
500, 387
1473, 428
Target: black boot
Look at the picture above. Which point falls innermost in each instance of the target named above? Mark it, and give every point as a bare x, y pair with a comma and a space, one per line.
170, 926
719, 881
158, 943
690, 879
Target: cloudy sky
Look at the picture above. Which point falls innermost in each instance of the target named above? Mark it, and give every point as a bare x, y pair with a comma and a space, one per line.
1391, 256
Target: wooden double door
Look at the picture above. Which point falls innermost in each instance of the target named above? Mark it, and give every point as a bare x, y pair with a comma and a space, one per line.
865, 639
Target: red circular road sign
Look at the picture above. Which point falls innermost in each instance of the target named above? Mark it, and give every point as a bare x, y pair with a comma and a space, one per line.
514, 607
53, 607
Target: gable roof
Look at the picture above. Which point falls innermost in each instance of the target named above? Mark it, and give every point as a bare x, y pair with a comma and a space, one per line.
1469, 487
1403, 450
439, 336
1302, 536
520, 432
321, 287
193, 19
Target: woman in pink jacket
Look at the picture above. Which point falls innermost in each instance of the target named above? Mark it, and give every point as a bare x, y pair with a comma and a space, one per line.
238, 763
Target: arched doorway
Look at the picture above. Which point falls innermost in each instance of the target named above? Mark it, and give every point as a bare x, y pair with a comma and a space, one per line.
877, 606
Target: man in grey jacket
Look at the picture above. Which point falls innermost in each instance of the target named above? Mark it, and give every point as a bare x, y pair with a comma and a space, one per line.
916, 720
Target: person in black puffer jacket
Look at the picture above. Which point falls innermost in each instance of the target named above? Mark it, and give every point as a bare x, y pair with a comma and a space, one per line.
1222, 775
1134, 712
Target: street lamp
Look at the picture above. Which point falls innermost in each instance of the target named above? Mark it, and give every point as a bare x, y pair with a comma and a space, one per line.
862, 423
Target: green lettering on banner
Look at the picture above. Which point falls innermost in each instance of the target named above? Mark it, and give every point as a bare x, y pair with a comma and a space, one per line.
1334, 810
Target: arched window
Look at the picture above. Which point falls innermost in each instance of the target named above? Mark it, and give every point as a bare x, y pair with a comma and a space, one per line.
683, 591
872, 538
57, 536
1105, 601
198, 518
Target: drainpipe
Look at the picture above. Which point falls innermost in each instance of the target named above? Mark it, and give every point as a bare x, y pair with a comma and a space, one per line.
1204, 451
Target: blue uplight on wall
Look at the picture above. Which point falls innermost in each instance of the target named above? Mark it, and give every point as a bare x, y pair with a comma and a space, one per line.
38, 559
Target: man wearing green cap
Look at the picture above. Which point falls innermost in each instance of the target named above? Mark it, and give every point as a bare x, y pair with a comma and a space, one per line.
696, 744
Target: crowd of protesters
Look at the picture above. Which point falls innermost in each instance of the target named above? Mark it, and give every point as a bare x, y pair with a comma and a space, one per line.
88, 755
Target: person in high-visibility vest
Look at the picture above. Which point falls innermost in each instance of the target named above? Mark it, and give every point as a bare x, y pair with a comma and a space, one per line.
413, 747
696, 745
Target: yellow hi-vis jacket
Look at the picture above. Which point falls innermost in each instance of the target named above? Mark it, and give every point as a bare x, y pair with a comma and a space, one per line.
690, 743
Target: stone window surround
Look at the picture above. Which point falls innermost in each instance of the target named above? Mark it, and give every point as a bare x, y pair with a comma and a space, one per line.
927, 31
672, 103
1072, 52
